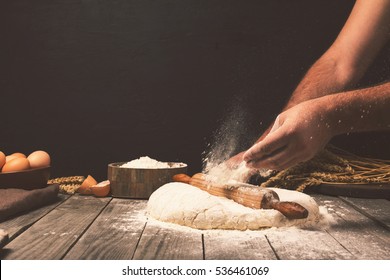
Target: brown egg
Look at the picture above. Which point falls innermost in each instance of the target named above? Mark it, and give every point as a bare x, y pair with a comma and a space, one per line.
17, 164
2, 159
13, 156
85, 187
39, 159
102, 189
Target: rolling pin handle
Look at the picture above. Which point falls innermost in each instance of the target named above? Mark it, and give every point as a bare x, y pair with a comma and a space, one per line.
291, 210
183, 178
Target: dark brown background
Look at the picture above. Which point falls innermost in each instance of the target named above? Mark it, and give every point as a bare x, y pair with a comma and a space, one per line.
94, 82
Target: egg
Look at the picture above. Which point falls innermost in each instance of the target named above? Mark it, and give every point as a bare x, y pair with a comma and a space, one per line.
13, 156
2, 159
102, 189
17, 164
85, 187
39, 159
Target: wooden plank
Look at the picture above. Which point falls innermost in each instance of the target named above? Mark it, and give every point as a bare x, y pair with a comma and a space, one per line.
300, 244
161, 241
376, 209
371, 190
237, 245
360, 235
114, 234
15, 226
3, 238
53, 235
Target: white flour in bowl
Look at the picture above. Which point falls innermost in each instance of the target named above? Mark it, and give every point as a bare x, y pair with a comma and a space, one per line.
147, 162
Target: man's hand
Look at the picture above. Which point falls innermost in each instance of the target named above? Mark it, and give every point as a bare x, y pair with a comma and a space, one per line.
296, 136
235, 161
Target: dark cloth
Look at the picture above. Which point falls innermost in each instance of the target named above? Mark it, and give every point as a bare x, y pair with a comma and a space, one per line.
16, 201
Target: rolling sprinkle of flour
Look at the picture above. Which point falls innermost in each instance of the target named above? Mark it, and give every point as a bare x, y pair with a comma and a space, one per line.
230, 139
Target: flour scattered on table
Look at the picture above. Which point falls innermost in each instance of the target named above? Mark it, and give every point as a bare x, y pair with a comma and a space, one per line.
147, 162
186, 205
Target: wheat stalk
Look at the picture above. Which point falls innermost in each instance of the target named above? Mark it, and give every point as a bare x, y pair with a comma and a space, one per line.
332, 165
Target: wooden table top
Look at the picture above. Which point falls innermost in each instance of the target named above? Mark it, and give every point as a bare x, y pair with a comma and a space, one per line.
86, 227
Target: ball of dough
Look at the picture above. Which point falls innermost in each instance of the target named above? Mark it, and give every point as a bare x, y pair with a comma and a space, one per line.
187, 205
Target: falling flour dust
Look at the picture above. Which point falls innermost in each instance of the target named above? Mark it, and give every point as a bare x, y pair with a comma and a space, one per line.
231, 138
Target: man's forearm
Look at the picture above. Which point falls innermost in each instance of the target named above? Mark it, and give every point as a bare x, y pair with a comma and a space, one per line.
342, 65
325, 77
358, 110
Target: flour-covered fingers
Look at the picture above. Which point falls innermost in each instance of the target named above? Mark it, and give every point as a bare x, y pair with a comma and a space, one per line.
276, 161
272, 143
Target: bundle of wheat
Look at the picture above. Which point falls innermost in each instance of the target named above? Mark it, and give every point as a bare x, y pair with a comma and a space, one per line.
335, 166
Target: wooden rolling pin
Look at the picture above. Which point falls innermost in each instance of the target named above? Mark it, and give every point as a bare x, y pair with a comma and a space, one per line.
246, 194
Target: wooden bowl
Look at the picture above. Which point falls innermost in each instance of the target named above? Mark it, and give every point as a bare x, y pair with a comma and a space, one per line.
28, 179
140, 182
